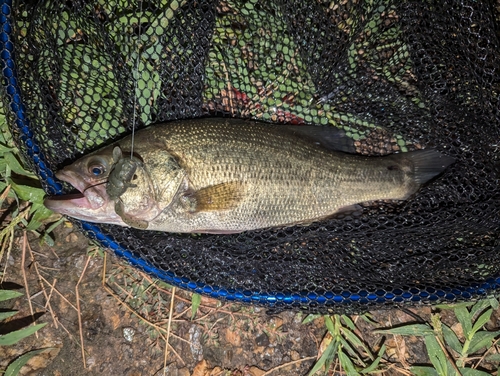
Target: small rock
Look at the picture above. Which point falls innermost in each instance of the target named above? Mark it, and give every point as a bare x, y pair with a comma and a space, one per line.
294, 355
90, 361
262, 340
195, 334
71, 238
128, 334
183, 372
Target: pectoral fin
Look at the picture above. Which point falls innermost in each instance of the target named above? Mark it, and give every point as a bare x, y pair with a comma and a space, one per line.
222, 196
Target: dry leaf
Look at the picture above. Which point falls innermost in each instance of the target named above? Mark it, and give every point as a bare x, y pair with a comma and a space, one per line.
254, 371
201, 368
232, 337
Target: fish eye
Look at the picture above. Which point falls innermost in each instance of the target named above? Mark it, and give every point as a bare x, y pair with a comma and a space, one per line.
96, 170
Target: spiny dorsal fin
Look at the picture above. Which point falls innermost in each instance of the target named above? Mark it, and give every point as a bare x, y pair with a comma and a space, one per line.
222, 196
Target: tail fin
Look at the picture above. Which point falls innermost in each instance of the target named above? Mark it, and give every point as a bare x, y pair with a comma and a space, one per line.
428, 164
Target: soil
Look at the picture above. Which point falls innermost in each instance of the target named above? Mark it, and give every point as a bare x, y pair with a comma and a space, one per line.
218, 339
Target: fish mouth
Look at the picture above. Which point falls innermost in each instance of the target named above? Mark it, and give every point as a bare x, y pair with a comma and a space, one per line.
87, 202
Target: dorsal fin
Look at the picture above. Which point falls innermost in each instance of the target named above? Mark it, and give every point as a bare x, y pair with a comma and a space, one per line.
327, 136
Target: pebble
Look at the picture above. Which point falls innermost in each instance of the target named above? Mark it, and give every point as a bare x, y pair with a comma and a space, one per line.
128, 334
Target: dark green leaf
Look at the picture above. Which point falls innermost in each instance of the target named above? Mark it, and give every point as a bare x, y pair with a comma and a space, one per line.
493, 358
409, 330
482, 340
483, 319
479, 307
493, 303
436, 355
195, 304
6, 315
9, 294
15, 367
28, 193
423, 371
451, 339
464, 318
16, 336
14, 165
472, 372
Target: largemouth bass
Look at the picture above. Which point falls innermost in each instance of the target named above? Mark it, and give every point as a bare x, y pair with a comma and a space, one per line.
228, 176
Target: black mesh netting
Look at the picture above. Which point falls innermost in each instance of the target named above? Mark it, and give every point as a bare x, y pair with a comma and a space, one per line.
397, 76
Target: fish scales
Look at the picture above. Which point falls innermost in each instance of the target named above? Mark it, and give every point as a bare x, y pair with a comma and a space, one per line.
242, 175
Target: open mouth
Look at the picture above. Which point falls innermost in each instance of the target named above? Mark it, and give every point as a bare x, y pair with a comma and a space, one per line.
69, 196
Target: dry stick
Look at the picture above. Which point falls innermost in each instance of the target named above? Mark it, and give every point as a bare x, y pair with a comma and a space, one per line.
58, 293
168, 329
486, 352
288, 364
23, 258
448, 356
47, 297
80, 327
159, 329
9, 248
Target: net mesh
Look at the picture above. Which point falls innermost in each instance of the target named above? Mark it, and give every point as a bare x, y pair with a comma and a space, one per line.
396, 76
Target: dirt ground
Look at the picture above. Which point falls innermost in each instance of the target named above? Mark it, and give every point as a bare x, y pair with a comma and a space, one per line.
221, 339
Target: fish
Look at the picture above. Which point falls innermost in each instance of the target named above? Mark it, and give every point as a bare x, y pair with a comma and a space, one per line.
224, 175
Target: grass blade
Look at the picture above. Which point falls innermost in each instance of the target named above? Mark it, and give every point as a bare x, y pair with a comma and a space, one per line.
328, 354
409, 330
376, 362
14, 337
9, 294
310, 318
195, 304
346, 364
5, 315
15, 367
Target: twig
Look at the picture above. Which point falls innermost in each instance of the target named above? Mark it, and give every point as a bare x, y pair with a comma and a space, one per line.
168, 330
159, 328
47, 298
23, 258
80, 327
486, 352
448, 356
58, 293
288, 364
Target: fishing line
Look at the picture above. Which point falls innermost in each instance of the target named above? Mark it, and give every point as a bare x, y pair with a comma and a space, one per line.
136, 79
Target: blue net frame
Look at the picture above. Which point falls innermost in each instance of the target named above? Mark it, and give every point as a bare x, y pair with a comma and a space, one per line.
270, 299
